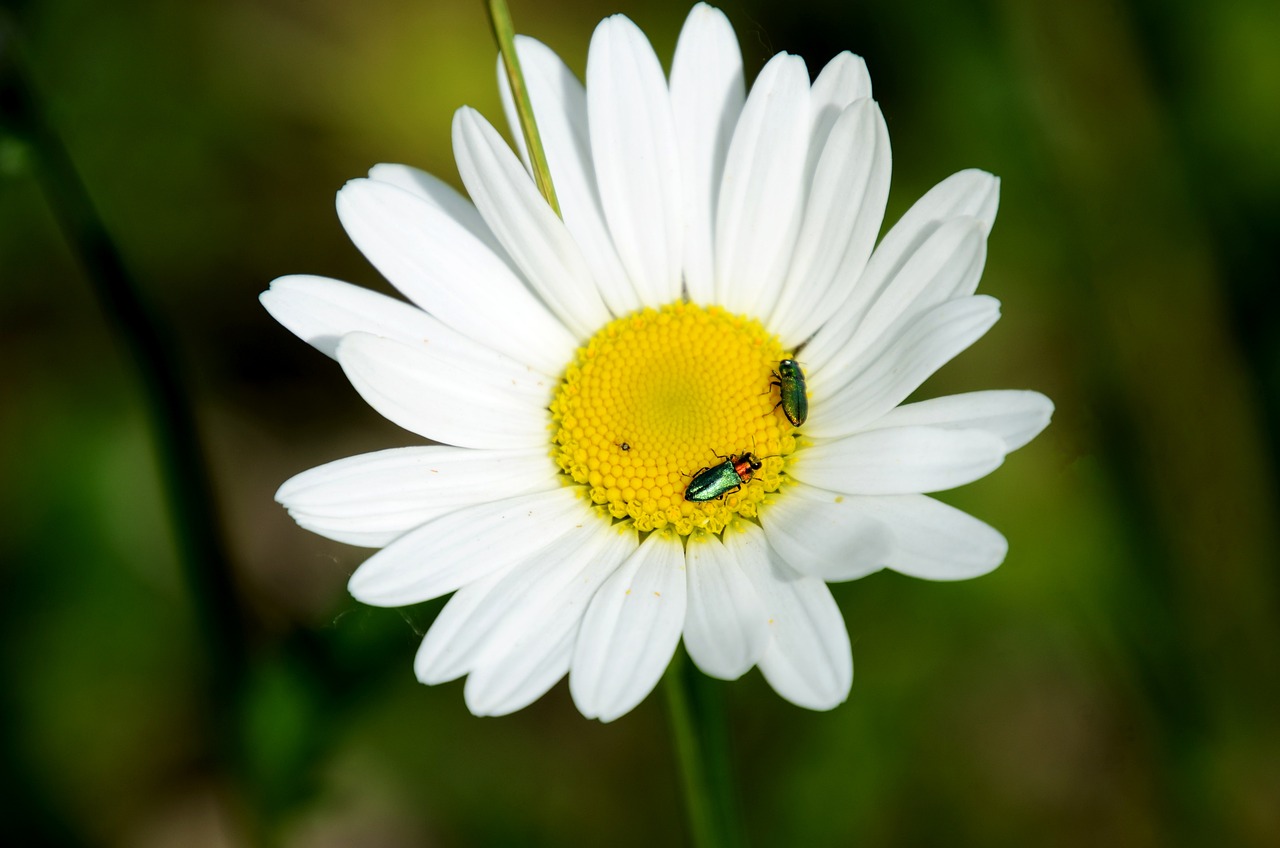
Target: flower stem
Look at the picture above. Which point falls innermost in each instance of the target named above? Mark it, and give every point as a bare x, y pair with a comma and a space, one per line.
702, 747
504, 33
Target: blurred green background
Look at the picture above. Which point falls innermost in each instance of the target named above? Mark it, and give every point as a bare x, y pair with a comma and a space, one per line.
1116, 682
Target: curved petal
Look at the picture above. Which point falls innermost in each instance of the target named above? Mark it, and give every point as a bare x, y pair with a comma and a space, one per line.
762, 193
441, 266
472, 402
898, 366
538, 242
808, 661
932, 540
633, 145
819, 534
842, 81
947, 265
560, 108
1015, 416
707, 93
725, 630
509, 689
443, 196
373, 498
904, 460
519, 668
971, 193
465, 545
841, 220
320, 311
630, 630
452, 621
458, 641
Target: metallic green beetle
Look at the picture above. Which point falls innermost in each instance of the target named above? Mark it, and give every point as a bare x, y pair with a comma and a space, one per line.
716, 481
791, 391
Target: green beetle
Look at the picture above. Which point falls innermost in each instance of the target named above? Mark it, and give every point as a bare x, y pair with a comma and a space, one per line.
716, 481
791, 391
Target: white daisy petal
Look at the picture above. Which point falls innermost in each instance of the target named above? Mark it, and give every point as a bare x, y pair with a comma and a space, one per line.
444, 268
463, 546
932, 540
471, 403
840, 82
808, 661
320, 311
429, 666
762, 193
1015, 416
841, 220
522, 684
820, 534
843, 81
724, 629
560, 109
523, 663
947, 265
441, 195
374, 498
972, 194
899, 365
904, 460
630, 630
633, 146
537, 241
463, 637
707, 93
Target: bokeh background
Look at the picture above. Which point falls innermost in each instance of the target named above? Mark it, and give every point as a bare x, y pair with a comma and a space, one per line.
1116, 682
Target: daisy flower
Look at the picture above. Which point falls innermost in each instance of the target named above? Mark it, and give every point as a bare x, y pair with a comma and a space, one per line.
578, 373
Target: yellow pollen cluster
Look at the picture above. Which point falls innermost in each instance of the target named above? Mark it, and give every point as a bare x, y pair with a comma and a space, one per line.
656, 396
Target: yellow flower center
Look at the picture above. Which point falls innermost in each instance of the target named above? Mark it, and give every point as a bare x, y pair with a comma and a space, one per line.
659, 395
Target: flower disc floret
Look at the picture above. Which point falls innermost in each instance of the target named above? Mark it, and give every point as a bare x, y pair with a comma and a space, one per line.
656, 396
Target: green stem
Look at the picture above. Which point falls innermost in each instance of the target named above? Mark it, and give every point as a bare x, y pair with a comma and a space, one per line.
505, 34
701, 741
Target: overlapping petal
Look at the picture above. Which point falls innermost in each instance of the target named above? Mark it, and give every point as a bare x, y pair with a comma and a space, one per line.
900, 460
808, 661
374, 498
446, 269
946, 265
971, 194
538, 242
725, 630
461, 547
458, 640
707, 93
443, 196
841, 82
637, 163
1015, 416
320, 311
841, 219
630, 630
762, 194
522, 666
475, 402
899, 365
819, 533
935, 541
560, 109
